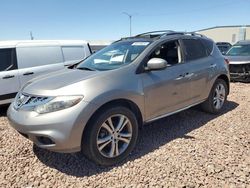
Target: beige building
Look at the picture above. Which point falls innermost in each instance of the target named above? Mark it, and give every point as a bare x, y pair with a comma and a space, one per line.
230, 34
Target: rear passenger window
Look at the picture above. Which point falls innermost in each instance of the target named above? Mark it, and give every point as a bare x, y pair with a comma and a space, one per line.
8, 59
73, 53
194, 49
37, 56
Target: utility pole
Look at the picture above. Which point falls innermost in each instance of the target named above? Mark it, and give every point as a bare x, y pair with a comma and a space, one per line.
130, 22
31, 36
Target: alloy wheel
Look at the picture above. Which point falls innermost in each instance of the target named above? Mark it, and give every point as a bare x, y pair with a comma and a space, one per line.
219, 96
114, 136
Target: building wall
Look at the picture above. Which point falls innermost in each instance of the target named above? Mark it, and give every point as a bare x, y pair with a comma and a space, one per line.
227, 34
248, 33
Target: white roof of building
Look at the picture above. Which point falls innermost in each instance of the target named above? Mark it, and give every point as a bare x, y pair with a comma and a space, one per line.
226, 26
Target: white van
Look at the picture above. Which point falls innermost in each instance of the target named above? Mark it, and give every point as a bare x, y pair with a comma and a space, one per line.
21, 61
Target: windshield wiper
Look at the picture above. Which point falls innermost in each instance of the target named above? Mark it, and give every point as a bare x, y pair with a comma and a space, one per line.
72, 66
85, 68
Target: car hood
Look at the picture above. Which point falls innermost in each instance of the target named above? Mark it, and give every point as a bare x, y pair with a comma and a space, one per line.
64, 82
238, 59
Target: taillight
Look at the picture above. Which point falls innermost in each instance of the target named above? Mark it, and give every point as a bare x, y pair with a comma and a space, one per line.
226, 61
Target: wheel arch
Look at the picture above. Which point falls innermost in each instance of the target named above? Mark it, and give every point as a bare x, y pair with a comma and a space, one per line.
226, 79
117, 102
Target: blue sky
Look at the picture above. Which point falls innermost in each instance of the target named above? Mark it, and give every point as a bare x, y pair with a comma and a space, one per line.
103, 19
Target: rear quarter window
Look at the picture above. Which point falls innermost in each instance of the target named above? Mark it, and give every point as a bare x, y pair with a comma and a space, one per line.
194, 49
209, 45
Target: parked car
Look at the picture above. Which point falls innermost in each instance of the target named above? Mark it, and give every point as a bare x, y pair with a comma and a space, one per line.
21, 61
98, 106
223, 46
95, 48
239, 61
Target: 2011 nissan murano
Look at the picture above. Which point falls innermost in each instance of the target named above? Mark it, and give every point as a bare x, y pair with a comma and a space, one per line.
97, 106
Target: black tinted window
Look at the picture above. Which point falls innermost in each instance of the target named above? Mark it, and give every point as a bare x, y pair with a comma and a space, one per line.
7, 59
194, 49
169, 51
209, 45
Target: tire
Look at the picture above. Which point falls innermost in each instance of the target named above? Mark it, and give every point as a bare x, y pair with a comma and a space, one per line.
217, 97
102, 136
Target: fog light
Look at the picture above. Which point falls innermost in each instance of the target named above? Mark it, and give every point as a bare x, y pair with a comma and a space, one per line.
45, 140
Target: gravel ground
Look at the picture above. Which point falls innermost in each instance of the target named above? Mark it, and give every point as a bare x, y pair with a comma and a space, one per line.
188, 149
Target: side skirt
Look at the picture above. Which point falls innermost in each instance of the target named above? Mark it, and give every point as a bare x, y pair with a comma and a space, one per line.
171, 113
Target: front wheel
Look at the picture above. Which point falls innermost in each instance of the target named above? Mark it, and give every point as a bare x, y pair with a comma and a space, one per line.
216, 98
111, 136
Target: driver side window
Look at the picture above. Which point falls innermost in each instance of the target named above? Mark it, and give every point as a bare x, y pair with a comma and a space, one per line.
169, 51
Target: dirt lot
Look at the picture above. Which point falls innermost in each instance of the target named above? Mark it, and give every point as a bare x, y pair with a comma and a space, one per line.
189, 149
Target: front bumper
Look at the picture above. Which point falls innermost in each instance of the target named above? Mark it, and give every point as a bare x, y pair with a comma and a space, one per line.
59, 131
239, 72
240, 76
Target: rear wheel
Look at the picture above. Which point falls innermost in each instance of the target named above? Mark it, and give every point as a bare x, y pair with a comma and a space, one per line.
216, 98
111, 136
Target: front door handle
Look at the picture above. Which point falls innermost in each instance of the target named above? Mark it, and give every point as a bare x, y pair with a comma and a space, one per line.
28, 73
179, 77
8, 76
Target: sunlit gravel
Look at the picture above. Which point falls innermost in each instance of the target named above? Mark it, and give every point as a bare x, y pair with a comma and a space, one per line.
188, 149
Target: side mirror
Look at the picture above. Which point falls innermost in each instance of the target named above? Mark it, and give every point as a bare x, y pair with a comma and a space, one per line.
156, 64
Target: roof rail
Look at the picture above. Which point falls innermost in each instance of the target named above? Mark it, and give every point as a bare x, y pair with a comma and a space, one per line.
243, 42
183, 33
159, 34
153, 34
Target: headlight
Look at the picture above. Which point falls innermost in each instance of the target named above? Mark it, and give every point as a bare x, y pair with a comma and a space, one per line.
58, 103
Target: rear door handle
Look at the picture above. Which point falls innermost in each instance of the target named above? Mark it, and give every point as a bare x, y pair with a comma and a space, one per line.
212, 65
8, 76
28, 73
189, 75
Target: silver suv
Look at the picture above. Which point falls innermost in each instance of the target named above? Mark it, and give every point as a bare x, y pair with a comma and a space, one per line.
97, 106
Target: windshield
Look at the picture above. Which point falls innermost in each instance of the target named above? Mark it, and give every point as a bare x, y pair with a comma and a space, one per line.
114, 56
239, 50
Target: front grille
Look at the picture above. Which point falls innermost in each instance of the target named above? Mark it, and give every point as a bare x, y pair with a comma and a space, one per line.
35, 100
23, 99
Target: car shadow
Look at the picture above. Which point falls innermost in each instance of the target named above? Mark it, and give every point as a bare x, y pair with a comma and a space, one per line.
3, 110
152, 136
